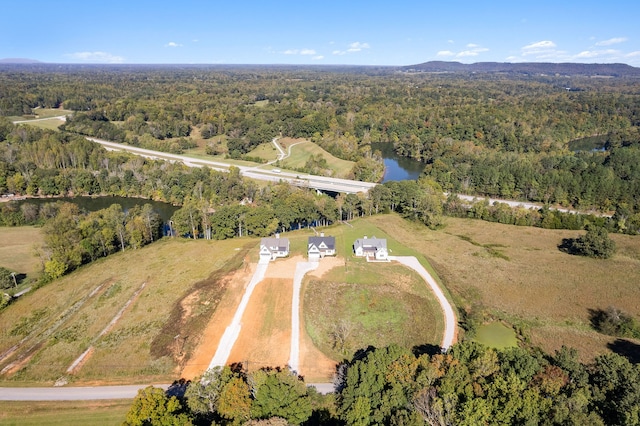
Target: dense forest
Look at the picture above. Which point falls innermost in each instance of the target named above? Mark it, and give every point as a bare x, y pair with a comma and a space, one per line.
483, 133
468, 385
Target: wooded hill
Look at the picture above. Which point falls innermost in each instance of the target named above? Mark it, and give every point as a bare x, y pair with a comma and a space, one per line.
529, 68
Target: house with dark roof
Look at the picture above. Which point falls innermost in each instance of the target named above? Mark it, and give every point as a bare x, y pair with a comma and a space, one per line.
319, 247
371, 248
274, 247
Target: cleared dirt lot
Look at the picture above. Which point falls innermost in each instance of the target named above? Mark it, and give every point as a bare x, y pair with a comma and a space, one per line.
265, 338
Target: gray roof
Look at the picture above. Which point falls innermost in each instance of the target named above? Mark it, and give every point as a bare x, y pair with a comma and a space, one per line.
330, 242
372, 243
272, 243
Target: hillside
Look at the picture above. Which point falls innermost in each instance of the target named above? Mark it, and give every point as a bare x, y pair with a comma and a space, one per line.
528, 68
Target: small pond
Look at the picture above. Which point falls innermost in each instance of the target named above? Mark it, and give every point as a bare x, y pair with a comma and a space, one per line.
395, 166
496, 335
591, 143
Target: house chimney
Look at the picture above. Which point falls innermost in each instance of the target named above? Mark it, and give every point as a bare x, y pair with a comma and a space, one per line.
322, 234
277, 235
365, 237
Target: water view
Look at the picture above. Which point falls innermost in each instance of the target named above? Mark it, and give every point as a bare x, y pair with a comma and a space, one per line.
397, 167
92, 204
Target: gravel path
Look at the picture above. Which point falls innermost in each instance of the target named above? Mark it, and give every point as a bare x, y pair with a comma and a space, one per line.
449, 316
233, 330
301, 270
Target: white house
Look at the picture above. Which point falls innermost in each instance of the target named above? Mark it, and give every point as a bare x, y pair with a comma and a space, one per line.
274, 247
371, 248
319, 247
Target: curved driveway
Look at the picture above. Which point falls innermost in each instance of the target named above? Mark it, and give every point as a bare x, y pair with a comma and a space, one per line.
449, 336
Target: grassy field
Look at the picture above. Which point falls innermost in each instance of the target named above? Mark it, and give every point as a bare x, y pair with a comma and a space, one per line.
55, 324
301, 150
67, 413
362, 304
17, 250
518, 275
44, 113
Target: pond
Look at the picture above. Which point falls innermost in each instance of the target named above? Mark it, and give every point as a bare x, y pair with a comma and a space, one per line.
395, 166
591, 143
496, 335
92, 204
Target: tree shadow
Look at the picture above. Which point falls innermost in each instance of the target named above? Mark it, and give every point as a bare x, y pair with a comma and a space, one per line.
178, 388
427, 349
597, 318
627, 349
568, 246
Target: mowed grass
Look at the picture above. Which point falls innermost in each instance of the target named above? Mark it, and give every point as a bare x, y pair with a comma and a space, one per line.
17, 250
517, 274
390, 304
302, 149
53, 413
55, 324
368, 303
266, 151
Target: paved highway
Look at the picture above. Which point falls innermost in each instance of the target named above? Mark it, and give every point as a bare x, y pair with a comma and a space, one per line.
255, 172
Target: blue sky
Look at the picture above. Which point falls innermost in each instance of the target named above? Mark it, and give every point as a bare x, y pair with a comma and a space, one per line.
328, 32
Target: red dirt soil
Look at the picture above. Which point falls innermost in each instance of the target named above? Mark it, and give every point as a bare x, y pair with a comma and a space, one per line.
265, 337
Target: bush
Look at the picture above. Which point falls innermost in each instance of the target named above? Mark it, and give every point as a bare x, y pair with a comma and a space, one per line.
595, 243
6, 279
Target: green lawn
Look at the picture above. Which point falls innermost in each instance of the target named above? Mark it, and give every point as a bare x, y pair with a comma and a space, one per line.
18, 248
301, 150
67, 413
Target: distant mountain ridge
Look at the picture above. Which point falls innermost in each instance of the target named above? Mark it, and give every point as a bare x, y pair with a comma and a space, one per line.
19, 61
532, 68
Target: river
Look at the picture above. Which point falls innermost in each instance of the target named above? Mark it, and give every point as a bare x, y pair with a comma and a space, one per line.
92, 204
395, 166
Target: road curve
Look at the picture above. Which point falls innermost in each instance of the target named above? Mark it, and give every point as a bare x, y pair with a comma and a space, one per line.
450, 323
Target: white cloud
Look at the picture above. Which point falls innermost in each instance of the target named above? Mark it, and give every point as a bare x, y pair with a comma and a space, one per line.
633, 54
475, 51
353, 48
445, 53
357, 46
538, 46
172, 44
472, 45
611, 41
96, 57
597, 53
299, 52
318, 58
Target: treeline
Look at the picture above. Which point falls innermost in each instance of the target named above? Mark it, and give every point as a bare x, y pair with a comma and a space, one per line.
468, 385
73, 237
600, 180
486, 134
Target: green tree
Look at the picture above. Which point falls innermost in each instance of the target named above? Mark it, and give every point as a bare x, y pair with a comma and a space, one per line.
6, 278
595, 243
153, 407
279, 393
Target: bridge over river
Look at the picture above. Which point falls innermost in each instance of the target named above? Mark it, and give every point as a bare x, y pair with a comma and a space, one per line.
322, 183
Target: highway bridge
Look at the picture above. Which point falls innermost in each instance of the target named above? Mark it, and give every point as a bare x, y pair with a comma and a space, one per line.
321, 183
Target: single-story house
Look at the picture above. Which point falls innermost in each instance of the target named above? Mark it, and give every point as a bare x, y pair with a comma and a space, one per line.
371, 248
273, 247
319, 247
